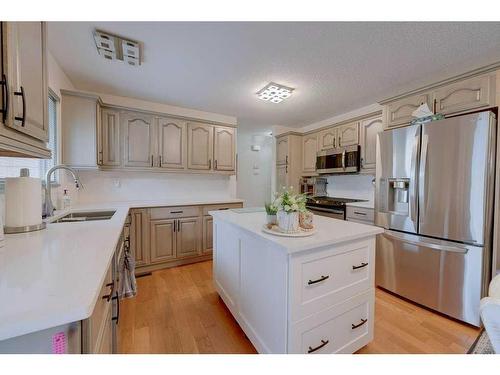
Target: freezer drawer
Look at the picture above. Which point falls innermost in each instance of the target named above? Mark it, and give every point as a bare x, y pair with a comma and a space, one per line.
442, 275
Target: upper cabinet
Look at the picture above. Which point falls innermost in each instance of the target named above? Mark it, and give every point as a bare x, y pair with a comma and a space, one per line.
24, 94
309, 151
348, 134
172, 143
109, 148
327, 139
282, 151
200, 145
458, 96
224, 148
472, 93
399, 112
289, 161
139, 148
368, 129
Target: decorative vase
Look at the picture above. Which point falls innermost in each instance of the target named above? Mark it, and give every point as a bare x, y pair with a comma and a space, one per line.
288, 222
271, 219
306, 220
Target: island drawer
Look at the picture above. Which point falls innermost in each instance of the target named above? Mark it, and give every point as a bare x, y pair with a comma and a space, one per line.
363, 214
323, 278
215, 207
343, 328
174, 212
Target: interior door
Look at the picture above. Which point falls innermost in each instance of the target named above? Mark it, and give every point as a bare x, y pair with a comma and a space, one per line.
172, 146
456, 176
139, 134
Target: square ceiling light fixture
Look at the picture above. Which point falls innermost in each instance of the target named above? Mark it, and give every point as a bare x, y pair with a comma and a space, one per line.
274, 93
112, 47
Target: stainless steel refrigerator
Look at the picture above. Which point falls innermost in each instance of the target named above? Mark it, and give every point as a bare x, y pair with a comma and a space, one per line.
434, 197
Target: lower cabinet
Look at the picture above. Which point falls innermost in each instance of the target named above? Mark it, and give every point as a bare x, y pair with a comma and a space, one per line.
162, 237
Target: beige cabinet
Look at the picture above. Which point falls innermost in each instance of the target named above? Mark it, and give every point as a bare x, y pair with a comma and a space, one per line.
27, 78
309, 151
109, 138
469, 94
172, 143
224, 148
348, 134
163, 240
282, 180
79, 116
139, 139
208, 223
327, 139
139, 236
399, 112
282, 150
200, 146
188, 235
368, 129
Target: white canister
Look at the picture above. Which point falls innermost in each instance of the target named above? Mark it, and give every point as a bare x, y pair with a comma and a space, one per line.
288, 222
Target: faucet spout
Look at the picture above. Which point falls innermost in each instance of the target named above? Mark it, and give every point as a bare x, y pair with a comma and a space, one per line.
49, 206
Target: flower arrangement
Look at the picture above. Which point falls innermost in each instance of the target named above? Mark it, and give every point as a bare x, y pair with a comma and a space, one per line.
271, 209
289, 206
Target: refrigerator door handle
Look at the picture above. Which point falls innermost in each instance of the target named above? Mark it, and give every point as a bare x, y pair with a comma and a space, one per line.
401, 237
413, 179
422, 177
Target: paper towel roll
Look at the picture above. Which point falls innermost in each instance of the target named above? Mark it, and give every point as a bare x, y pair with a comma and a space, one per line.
23, 201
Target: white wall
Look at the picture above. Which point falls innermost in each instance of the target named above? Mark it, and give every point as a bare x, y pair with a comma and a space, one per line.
254, 167
351, 186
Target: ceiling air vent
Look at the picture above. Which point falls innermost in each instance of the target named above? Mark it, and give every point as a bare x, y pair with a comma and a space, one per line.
113, 47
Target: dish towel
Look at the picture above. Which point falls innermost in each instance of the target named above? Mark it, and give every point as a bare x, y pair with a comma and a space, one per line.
128, 285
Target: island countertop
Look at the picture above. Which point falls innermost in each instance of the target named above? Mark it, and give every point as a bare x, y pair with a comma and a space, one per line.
328, 231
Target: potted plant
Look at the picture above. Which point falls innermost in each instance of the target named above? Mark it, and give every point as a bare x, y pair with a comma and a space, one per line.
271, 211
290, 205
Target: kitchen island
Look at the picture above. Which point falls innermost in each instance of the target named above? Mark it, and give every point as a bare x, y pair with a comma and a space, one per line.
297, 295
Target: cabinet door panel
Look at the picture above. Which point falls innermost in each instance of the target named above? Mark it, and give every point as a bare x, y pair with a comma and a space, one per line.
309, 149
188, 236
27, 70
139, 236
348, 134
281, 177
465, 95
208, 223
139, 135
224, 148
172, 143
328, 139
369, 128
282, 150
399, 112
110, 137
200, 146
163, 244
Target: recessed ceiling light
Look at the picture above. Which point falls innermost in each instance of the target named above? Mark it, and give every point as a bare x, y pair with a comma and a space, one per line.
274, 93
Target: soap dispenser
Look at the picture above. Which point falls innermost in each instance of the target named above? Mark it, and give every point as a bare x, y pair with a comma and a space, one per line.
66, 200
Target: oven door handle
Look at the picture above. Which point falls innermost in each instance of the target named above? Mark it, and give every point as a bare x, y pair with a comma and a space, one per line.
325, 210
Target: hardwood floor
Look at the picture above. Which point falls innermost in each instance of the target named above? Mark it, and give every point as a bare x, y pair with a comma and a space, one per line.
178, 311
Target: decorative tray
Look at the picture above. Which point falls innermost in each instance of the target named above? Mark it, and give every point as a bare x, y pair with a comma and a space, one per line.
277, 232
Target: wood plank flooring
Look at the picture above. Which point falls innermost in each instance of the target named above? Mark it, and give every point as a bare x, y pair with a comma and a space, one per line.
177, 310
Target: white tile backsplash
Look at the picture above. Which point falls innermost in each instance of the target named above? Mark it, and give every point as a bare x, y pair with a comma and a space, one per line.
351, 186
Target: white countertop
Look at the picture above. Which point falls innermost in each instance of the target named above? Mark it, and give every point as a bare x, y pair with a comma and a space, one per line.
367, 204
53, 276
329, 231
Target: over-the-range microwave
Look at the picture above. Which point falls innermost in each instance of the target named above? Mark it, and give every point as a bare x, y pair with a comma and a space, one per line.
339, 160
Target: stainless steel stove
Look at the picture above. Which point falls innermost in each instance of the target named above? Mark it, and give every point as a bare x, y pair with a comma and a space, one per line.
329, 206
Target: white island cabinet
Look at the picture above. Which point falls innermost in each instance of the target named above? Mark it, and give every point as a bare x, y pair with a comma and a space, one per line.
297, 295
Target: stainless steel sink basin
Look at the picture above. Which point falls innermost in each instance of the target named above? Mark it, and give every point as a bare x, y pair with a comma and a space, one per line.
85, 216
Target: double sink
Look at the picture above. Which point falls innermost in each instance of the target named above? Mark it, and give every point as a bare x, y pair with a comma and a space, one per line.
85, 216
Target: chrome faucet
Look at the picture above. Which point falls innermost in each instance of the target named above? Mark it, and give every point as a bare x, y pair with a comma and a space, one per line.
48, 206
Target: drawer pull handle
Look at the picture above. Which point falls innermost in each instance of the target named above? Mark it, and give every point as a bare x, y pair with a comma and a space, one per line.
362, 265
107, 297
359, 213
176, 212
354, 326
323, 343
322, 278
225, 208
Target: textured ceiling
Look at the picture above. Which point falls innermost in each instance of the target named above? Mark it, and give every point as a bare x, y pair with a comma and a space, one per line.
218, 67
